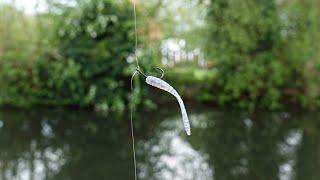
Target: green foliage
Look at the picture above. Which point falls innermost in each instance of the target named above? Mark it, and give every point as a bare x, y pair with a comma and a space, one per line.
260, 53
191, 82
85, 64
97, 38
18, 51
260, 49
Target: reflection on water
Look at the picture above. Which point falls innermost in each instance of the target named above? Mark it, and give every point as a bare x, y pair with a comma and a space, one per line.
224, 145
171, 156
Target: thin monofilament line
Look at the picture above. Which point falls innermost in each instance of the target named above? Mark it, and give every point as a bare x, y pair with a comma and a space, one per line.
131, 82
133, 148
132, 130
136, 33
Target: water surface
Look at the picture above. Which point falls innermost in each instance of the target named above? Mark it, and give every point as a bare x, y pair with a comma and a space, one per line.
224, 145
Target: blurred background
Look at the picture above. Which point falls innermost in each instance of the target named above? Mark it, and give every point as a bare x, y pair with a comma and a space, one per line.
248, 71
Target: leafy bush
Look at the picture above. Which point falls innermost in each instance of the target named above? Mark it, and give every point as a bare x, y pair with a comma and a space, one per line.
18, 51
95, 40
85, 64
260, 49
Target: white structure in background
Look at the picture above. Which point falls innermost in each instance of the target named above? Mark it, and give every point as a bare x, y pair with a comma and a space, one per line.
174, 51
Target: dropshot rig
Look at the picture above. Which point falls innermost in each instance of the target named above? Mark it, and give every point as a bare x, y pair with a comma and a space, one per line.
163, 85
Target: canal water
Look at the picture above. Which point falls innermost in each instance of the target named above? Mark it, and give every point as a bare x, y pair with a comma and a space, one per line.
225, 144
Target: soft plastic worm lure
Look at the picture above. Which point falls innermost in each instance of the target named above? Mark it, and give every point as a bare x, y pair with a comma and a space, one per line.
161, 84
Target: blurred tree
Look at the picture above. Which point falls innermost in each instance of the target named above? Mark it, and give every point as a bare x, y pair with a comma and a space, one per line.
259, 50
96, 37
18, 50
73, 54
80, 52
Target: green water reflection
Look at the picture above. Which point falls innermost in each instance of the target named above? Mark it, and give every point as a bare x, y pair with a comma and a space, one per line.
225, 145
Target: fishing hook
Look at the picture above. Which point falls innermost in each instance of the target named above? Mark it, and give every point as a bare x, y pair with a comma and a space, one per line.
163, 85
139, 71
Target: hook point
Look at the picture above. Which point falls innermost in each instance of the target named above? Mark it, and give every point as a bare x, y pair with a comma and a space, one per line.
162, 72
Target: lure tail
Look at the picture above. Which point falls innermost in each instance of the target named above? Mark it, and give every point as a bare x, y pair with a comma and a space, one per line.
161, 84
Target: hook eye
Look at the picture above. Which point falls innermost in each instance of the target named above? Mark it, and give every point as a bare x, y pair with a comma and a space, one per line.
140, 72
162, 72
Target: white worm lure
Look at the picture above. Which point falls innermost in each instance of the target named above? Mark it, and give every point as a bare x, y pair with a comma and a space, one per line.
161, 84
158, 83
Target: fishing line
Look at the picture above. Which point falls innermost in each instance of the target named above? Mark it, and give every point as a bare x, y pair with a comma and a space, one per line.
155, 82
136, 33
131, 84
131, 124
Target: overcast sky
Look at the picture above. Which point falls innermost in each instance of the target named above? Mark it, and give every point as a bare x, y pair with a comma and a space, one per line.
28, 6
